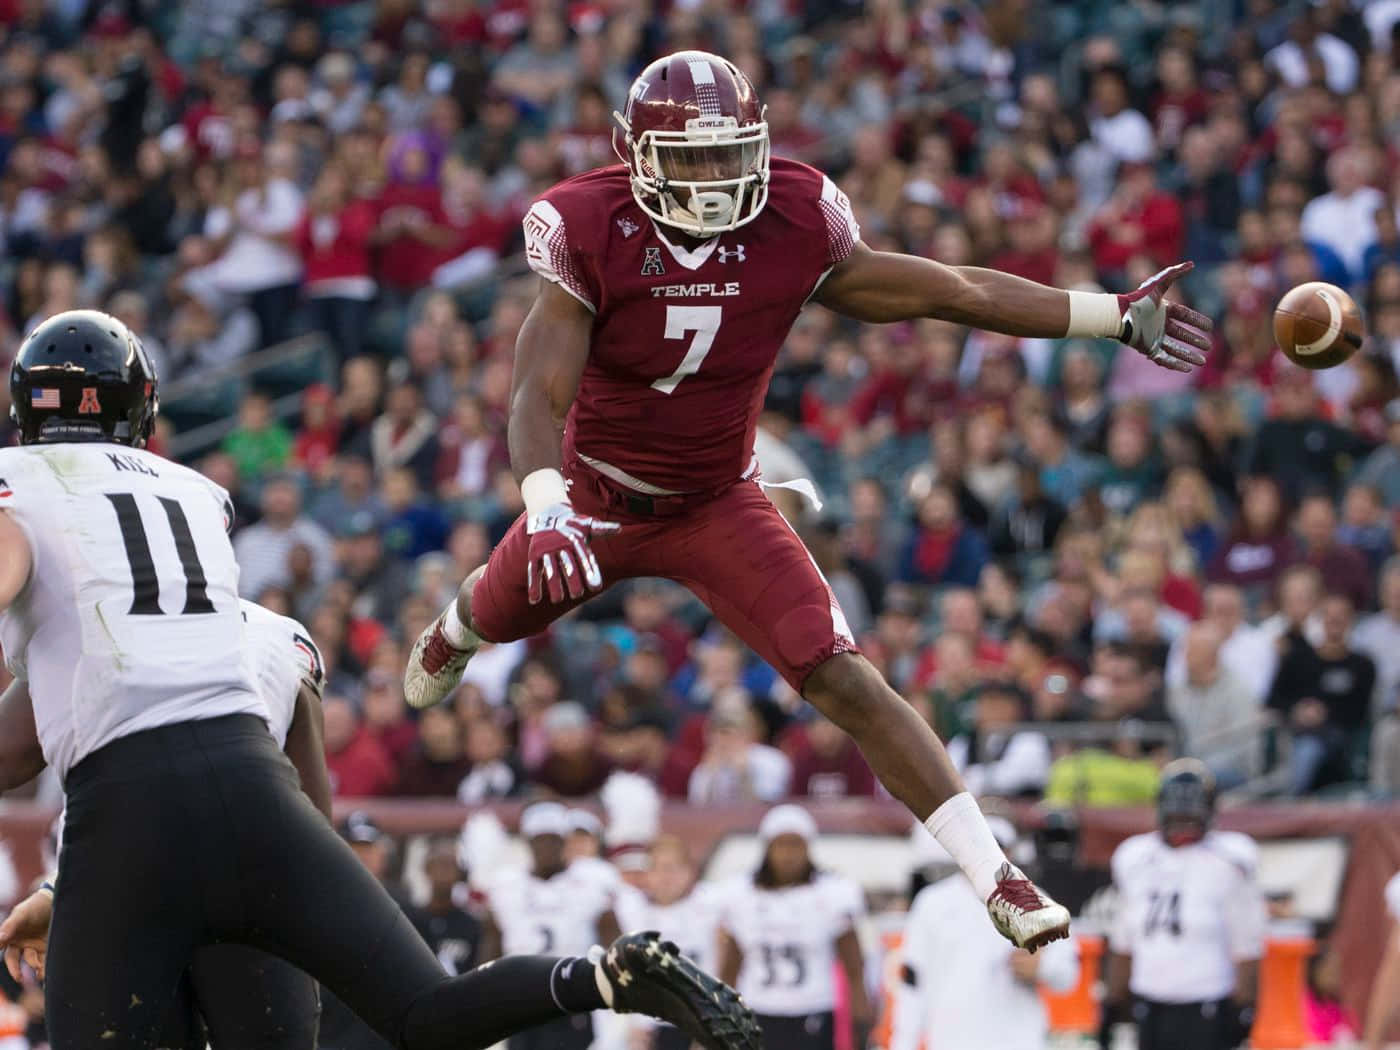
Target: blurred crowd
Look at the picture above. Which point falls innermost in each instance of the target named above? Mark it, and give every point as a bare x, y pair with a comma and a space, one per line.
1044, 533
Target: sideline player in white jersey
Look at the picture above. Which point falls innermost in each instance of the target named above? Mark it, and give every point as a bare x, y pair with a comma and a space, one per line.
1384, 1006
238, 996
963, 986
554, 908
782, 932
1189, 930
186, 824
681, 910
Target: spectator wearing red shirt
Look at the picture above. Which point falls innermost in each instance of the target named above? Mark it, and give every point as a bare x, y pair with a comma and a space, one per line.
1139, 219
319, 436
587, 143
826, 762
470, 455
1180, 103
574, 764
1345, 568
359, 765
960, 613
472, 234
386, 715
901, 387
1031, 251
410, 231
437, 765
334, 241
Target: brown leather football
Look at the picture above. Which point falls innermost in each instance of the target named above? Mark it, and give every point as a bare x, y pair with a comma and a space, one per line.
1317, 325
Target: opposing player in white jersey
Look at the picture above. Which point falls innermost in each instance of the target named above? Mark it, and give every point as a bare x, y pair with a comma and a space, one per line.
962, 986
783, 930
681, 909
186, 824
554, 908
1384, 1007
239, 996
1189, 930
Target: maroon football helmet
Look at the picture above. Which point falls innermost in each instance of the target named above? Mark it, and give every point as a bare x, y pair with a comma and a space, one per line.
696, 143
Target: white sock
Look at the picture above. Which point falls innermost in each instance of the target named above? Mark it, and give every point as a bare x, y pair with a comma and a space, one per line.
960, 828
459, 634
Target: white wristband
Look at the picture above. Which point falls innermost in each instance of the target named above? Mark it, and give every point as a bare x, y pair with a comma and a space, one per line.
543, 488
1094, 315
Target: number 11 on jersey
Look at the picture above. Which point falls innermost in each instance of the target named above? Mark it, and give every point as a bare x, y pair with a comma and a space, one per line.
680, 320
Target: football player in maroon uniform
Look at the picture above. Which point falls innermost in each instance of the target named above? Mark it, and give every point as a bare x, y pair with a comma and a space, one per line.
670, 283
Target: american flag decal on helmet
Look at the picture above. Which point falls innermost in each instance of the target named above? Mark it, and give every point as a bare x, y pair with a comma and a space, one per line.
45, 397
703, 77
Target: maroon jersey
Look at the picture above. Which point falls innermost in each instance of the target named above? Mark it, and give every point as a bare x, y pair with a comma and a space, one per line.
684, 340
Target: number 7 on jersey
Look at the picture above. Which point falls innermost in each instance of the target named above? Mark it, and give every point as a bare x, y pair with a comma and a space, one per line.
681, 320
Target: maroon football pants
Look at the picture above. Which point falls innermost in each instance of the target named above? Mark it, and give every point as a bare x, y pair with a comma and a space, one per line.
733, 550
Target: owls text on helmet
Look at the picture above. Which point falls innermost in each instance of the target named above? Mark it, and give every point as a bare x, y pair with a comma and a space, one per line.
696, 144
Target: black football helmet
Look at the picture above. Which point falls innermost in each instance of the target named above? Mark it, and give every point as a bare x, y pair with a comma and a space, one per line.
1185, 802
83, 376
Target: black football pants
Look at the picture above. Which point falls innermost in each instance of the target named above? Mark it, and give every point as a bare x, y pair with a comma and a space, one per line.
198, 833
1183, 1026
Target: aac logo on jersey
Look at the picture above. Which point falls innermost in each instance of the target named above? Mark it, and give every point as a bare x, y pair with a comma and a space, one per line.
5, 489
651, 262
89, 406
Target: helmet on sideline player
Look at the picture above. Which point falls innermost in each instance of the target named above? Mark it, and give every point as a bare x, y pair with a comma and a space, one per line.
696, 143
83, 376
1185, 802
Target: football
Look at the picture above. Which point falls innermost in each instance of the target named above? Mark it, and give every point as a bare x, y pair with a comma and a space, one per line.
1317, 325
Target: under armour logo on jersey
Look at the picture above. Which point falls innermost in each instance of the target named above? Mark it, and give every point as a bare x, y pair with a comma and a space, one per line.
737, 253
89, 405
651, 262
627, 226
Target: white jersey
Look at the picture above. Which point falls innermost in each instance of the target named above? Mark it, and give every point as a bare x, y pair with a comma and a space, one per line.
1187, 915
692, 922
556, 916
130, 619
958, 990
788, 940
282, 658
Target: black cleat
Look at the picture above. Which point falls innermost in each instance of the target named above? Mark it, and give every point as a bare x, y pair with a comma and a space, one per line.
650, 976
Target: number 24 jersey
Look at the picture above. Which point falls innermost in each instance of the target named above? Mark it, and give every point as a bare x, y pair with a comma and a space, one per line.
1186, 915
788, 940
130, 618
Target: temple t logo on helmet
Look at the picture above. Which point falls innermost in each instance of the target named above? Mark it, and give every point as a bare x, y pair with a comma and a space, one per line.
696, 144
83, 376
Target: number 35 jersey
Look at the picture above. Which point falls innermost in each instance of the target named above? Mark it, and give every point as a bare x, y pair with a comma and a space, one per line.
788, 940
685, 333
130, 618
1186, 915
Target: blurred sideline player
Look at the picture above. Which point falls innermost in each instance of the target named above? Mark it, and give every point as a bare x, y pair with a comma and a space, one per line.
682, 909
555, 907
670, 284
963, 987
783, 930
244, 997
1384, 1006
186, 825
1189, 930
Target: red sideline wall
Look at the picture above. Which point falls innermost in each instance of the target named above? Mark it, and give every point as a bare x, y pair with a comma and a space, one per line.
1374, 832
